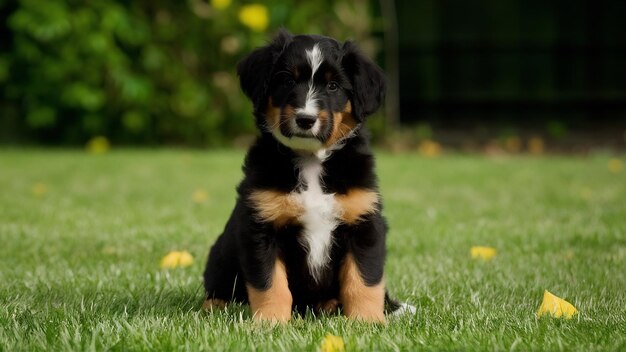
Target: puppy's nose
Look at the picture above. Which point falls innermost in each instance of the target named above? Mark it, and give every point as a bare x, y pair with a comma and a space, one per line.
305, 121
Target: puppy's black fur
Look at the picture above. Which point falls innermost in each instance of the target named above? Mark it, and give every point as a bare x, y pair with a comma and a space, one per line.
285, 86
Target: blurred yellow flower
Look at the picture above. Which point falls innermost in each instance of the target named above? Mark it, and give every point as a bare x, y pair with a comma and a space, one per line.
535, 145
615, 165
332, 343
254, 16
98, 145
176, 259
220, 4
484, 253
556, 307
429, 148
200, 196
39, 189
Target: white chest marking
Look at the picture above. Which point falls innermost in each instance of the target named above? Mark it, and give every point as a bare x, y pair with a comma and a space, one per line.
319, 217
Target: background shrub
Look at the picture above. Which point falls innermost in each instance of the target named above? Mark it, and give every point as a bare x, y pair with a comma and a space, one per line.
144, 72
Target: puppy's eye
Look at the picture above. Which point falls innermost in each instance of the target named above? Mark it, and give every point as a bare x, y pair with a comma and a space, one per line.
289, 82
332, 86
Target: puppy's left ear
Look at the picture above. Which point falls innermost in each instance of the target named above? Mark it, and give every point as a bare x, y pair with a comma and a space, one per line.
367, 79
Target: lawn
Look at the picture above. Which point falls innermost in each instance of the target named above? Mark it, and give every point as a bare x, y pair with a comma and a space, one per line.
82, 237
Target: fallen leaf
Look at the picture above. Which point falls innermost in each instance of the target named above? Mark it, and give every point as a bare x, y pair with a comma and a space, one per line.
484, 253
586, 193
200, 196
109, 250
556, 307
332, 343
615, 165
39, 189
176, 259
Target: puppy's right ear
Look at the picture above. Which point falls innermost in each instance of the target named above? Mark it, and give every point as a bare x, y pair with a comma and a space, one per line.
255, 69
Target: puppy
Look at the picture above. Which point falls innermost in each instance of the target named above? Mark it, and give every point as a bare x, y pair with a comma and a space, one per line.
307, 230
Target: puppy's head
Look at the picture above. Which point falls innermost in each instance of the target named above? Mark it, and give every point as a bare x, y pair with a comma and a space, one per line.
310, 91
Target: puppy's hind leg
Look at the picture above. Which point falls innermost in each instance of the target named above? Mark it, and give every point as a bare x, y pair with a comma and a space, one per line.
221, 280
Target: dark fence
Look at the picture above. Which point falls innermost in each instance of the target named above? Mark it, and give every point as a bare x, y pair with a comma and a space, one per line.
517, 62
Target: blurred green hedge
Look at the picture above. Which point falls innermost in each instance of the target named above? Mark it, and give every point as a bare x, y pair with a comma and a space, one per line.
144, 72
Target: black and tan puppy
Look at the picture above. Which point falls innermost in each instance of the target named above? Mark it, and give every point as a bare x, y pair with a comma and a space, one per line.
307, 230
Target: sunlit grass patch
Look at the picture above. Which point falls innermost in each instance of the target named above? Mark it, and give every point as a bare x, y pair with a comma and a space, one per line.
80, 261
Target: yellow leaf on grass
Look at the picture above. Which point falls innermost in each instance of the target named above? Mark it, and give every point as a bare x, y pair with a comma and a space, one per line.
556, 307
200, 196
332, 343
176, 259
586, 193
484, 253
615, 165
39, 189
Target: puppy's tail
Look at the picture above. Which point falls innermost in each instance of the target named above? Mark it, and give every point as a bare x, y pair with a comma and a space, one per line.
396, 308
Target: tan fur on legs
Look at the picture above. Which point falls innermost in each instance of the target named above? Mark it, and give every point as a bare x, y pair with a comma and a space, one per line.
274, 303
360, 301
213, 303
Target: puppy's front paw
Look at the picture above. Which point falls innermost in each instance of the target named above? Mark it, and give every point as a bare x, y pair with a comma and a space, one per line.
273, 314
272, 304
365, 312
360, 301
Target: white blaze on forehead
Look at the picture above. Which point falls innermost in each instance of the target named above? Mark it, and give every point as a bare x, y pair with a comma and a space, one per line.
314, 58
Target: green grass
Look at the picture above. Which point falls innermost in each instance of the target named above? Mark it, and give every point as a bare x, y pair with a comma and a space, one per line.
79, 266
